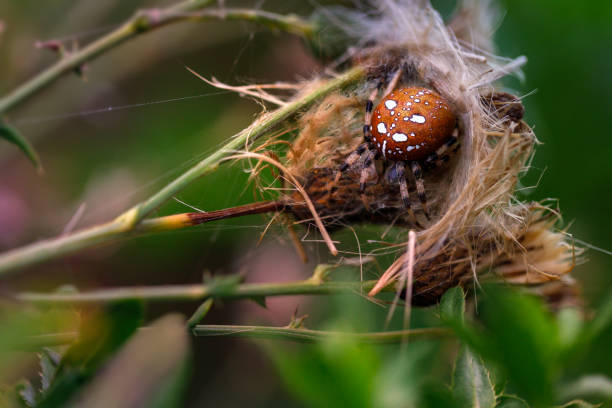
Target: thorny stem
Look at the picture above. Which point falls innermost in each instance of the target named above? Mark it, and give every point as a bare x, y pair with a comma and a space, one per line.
312, 286
311, 336
267, 332
142, 22
126, 224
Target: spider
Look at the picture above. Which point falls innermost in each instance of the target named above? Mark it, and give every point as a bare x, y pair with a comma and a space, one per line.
410, 126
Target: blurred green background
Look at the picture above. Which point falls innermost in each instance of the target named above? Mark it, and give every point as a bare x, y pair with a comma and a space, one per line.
107, 160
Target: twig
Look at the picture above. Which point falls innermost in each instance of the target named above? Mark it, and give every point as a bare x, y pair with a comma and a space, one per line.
266, 332
125, 224
141, 22
184, 220
311, 336
326, 238
312, 286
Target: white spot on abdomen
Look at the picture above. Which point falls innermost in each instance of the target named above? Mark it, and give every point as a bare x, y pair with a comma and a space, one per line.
381, 128
417, 119
400, 137
384, 146
390, 104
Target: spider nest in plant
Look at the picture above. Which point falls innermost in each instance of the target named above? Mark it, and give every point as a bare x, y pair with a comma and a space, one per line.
360, 158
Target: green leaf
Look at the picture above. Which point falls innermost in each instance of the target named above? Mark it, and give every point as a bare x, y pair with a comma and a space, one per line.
596, 386
334, 373
148, 371
579, 404
452, 314
101, 335
26, 393
523, 338
11, 135
452, 305
49, 362
200, 313
511, 401
602, 320
399, 383
435, 396
570, 323
472, 386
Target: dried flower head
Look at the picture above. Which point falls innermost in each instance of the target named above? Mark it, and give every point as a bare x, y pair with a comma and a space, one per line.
475, 227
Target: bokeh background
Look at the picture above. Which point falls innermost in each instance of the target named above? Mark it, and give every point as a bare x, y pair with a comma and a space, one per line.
163, 119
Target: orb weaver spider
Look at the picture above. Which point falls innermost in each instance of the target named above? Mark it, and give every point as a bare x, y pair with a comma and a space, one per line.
410, 127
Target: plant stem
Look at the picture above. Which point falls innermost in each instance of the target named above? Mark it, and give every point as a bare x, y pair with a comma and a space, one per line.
265, 332
126, 223
200, 313
312, 286
143, 21
289, 23
311, 336
184, 220
249, 134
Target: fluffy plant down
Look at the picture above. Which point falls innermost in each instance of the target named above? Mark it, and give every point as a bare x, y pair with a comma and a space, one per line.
478, 230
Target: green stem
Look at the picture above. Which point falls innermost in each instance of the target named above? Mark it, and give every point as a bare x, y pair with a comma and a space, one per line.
265, 332
288, 23
126, 223
311, 286
144, 21
311, 336
139, 23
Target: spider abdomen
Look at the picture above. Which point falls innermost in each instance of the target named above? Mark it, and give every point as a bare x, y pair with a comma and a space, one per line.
411, 123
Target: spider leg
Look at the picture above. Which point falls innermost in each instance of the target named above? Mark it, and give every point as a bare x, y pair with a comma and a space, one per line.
400, 170
394, 80
418, 176
441, 155
369, 170
367, 135
351, 159
369, 166
367, 122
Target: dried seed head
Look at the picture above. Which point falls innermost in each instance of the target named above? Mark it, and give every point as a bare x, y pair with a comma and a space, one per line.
474, 232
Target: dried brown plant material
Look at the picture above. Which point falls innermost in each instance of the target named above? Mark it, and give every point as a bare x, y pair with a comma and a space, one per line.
478, 229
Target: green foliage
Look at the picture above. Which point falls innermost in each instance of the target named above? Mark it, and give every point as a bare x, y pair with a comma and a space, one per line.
522, 337
525, 344
200, 313
11, 135
149, 370
49, 363
112, 364
452, 306
339, 372
101, 335
472, 386
335, 373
